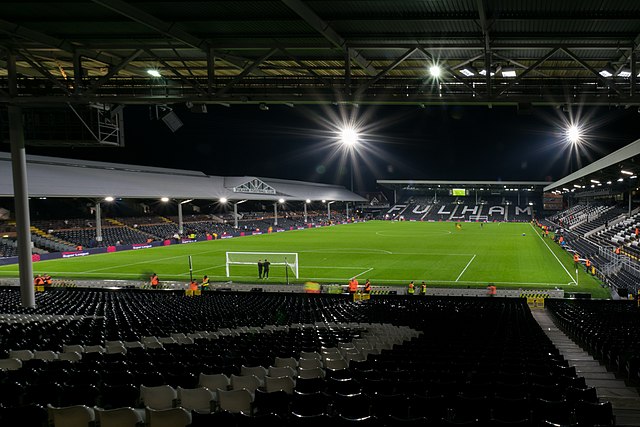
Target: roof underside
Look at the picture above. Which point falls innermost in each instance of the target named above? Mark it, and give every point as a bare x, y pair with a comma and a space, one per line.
328, 51
58, 177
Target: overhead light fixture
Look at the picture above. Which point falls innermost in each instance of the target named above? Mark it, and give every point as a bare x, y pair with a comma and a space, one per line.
577, 186
626, 172
308, 201
609, 182
263, 106
508, 72
493, 70
633, 176
435, 71
280, 200
223, 200
607, 71
468, 71
154, 73
164, 199
108, 199
595, 181
620, 179
625, 72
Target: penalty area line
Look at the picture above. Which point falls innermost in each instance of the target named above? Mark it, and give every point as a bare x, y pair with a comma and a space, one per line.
465, 268
366, 271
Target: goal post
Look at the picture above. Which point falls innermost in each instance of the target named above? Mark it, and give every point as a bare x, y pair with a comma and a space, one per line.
286, 259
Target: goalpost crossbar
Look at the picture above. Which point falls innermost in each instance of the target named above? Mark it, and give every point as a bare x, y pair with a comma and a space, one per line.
288, 259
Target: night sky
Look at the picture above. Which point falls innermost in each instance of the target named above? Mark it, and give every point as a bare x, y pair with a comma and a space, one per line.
397, 142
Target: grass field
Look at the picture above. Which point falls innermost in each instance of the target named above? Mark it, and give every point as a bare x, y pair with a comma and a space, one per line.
511, 255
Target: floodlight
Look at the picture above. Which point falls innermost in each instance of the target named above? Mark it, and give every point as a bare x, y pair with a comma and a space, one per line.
468, 71
573, 134
620, 179
307, 201
577, 186
108, 199
609, 182
492, 71
349, 136
435, 71
223, 200
154, 73
625, 73
324, 201
280, 200
626, 172
607, 71
164, 199
172, 121
508, 72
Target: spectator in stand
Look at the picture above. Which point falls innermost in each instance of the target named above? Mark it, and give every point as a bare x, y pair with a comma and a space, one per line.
367, 287
47, 279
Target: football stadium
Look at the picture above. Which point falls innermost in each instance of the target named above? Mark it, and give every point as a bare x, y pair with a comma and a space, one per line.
311, 213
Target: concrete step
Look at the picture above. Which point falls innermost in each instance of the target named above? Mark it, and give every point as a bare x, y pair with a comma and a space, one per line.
625, 400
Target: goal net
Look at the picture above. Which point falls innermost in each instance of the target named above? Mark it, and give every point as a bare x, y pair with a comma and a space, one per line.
286, 259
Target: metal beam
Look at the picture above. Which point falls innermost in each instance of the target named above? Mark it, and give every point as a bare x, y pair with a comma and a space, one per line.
171, 30
307, 69
452, 73
193, 83
45, 73
384, 72
114, 70
246, 72
63, 45
528, 70
487, 47
311, 18
588, 67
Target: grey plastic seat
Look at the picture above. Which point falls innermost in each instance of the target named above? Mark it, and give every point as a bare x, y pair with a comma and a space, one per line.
71, 416
118, 417
158, 397
171, 417
199, 399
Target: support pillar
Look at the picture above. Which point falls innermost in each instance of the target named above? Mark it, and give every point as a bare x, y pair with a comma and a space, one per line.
347, 204
235, 215
630, 196
20, 191
305, 212
275, 213
98, 223
180, 225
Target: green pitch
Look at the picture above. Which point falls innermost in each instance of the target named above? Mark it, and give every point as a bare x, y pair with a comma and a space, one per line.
511, 255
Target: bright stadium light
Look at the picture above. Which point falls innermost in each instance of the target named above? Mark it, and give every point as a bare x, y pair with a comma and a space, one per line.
108, 199
154, 73
223, 200
574, 134
626, 172
280, 201
164, 199
308, 201
349, 136
435, 71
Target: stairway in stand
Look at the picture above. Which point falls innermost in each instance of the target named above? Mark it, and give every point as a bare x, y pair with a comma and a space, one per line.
624, 400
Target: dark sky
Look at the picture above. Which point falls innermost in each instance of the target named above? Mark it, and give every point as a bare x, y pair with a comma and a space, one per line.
397, 142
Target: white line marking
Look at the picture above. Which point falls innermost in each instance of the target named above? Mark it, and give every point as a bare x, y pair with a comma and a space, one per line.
465, 269
553, 253
366, 271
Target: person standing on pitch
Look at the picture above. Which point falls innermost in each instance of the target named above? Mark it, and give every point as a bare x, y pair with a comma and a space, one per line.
265, 266
260, 268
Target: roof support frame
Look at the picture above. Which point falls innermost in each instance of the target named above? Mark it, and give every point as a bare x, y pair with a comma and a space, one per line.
484, 24
112, 71
528, 70
384, 72
246, 72
44, 72
193, 83
588, 67
321, 26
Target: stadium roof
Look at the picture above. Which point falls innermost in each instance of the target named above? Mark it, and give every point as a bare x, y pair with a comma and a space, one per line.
470, 185
616, 171
321, 51
58, 177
